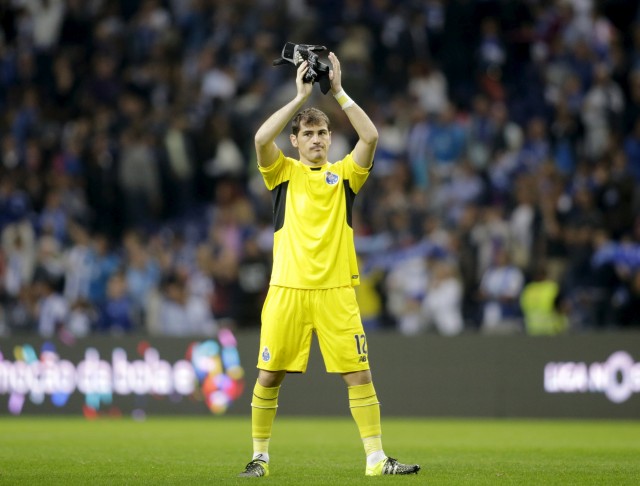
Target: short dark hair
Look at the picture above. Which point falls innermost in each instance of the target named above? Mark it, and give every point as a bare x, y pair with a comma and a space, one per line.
309, 116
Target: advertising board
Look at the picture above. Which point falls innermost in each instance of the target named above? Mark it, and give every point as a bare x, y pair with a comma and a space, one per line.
584, 376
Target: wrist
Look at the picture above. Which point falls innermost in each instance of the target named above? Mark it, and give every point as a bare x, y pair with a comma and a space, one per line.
343, 99
300, 99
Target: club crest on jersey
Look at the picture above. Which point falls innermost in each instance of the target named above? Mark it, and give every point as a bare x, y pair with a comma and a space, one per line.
266, 356
330, 178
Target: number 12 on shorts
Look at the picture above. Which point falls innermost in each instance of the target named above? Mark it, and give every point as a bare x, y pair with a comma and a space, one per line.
361, 343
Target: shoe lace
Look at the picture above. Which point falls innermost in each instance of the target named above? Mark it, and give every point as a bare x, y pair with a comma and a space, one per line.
392, 466
255, 466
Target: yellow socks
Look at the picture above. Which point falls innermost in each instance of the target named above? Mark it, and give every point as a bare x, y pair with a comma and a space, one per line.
363, 403
365, 409
263, 411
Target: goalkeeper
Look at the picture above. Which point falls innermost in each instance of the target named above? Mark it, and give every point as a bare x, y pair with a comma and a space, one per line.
314, 268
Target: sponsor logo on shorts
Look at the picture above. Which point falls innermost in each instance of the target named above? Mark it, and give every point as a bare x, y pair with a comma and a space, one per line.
266, 356
363, 359
330, 178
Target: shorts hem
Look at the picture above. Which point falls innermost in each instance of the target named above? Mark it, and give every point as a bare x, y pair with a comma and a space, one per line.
287, 370
348, 371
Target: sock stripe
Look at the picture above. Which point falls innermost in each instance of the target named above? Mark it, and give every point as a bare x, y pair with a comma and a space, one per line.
365, 405
362, 398
265, 399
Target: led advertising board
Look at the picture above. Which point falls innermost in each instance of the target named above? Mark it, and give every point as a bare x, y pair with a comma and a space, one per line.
581, 376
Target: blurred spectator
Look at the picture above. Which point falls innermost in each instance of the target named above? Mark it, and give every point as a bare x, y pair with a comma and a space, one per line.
49, 260
83, 318
442, 304
602, 111
227, 159
77, 263
588, 287
491, 59
632, 149
489, 234
104, 86
463, 187
536, 148
52, 308
405, 287
142, 275
182, 313
117, 315
370, 298
448, 143
553, 205
615, 194
464, 250
19, 249
499, 293
139, 179
482, 129
428, 86
103, 263
101, 185
47, 18
627, 303
21, 313
254, 271
524, 224
542, 306
180, 179
632, 105
53, 217
564, 131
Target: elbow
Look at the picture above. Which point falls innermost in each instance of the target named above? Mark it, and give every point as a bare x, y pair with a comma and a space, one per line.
260, 141
371, 138
367, 133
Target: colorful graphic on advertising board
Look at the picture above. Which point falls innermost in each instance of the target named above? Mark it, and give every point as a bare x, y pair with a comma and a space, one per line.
209, 372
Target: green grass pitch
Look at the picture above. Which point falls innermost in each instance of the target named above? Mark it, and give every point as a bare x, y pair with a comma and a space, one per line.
317, 451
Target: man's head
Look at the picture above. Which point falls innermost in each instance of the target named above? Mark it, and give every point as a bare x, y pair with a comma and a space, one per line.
309, 117
311, 135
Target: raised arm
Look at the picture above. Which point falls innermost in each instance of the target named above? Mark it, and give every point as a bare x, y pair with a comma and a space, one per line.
362, 124
266, 148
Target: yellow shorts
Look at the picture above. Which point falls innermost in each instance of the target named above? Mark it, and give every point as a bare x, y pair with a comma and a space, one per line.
291, 316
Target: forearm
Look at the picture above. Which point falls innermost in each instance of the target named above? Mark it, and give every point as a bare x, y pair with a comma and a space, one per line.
364, 127
274, 125
360, 121
362, 124
266, 149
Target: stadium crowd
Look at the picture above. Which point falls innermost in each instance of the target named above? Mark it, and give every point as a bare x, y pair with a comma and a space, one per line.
504, 196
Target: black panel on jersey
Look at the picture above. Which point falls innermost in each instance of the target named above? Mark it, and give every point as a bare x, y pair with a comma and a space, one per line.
279, 199
349, 197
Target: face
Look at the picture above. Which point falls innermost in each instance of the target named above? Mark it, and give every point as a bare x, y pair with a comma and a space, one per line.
312, 143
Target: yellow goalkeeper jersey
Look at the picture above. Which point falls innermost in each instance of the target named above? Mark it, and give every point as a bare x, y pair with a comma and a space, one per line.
313, 244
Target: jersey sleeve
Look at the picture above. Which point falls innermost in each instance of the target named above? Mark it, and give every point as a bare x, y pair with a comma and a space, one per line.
274, 174
355, 174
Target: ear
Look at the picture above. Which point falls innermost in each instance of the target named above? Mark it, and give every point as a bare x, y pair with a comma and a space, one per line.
294, 140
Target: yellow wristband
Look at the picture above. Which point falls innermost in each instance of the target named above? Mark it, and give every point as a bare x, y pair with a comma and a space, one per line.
343, 99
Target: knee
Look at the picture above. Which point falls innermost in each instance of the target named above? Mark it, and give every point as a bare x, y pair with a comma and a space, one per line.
357, 378
270, 379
